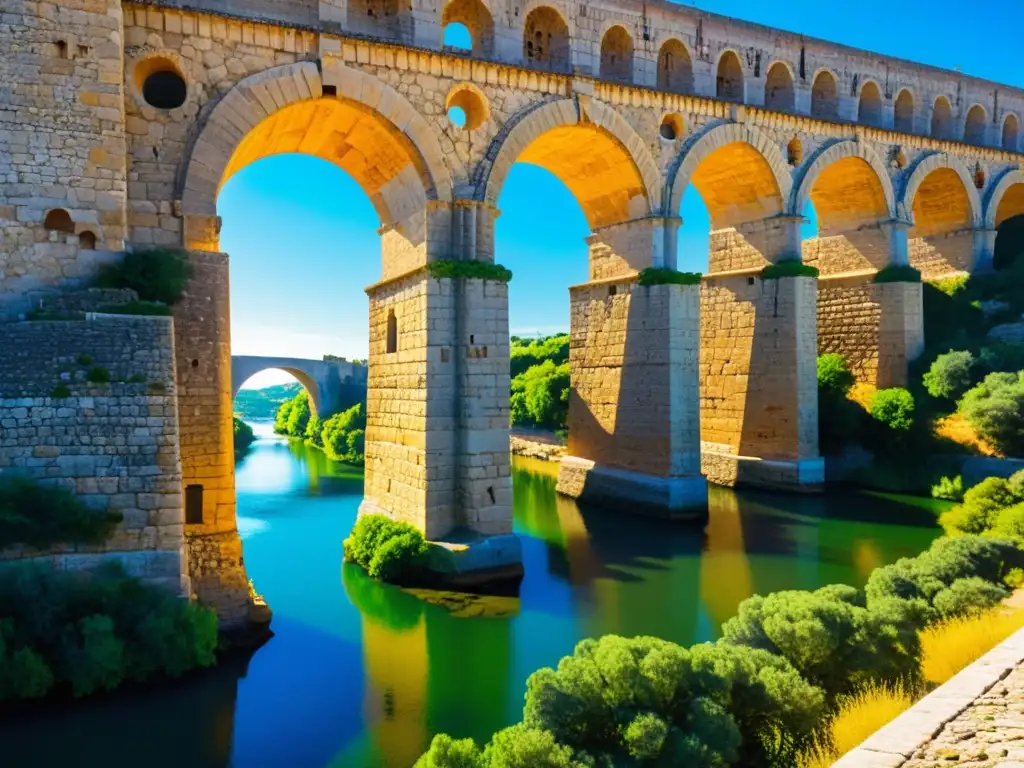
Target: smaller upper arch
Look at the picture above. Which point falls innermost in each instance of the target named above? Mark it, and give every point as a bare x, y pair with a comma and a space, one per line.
933, 161
1011, 132
476, 17
779, 92
903, 111
546, 36
825, 94
675, 67
997, 194
975, 125
617, 54
829, 156
942, 119
869, 107
730, 82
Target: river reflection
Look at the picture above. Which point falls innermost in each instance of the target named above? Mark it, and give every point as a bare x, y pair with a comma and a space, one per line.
362, 674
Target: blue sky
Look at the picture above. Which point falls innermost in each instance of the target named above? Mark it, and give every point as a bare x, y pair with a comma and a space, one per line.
302, 234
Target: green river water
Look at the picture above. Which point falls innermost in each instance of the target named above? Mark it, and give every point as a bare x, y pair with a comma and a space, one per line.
360, 674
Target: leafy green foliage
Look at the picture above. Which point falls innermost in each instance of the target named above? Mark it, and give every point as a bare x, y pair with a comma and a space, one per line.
42, 516
981, 503
1008, 524
665, 276
525, 354
156, 275
540, 396
481, 270
834, 376
98, 375
950, 286
927, 588
951, 489
829, 636
92, 631
788, 268
243, 436
343, 436
144, 308
898, 273
61, 392
263, 403
388, 550
893, 408
995, 409
1003, 356
950, 375
446, 752
293, 416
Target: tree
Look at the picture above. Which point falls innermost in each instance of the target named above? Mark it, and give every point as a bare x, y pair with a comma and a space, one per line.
540, 396
893, 408
343, 436
950, 375
995, 409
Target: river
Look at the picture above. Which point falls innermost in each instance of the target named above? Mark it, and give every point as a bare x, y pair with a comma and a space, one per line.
360, 674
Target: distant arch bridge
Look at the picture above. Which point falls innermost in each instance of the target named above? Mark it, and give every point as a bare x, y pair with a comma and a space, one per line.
332, 385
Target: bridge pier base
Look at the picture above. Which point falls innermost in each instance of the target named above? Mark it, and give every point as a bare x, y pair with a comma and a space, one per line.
437, 451
759, 390
634, 407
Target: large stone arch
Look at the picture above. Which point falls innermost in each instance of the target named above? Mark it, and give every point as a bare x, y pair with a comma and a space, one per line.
831, 154
998, 194
244, 368
612, 135
213, 156
925, 166
756, 145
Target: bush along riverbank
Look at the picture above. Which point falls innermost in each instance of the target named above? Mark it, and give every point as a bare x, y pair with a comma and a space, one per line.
342, 437
770, 692
244, 437
77, 633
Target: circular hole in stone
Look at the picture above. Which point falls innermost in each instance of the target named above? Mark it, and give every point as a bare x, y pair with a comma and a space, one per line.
195, 363
457, 115
161, 83
467, 107
671, 127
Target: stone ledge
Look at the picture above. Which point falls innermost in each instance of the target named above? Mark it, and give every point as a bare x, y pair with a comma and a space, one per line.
730, 470
672, 497
896, 742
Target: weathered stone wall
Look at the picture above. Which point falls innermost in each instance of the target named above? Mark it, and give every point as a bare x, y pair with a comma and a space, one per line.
855, 251
114, 444
203, 351
758, 355
62, 142
943, 255
633, 355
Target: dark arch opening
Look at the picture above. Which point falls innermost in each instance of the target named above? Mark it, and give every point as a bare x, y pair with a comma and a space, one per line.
87, 241
59, 220
1009, 245
392, 332
165, 89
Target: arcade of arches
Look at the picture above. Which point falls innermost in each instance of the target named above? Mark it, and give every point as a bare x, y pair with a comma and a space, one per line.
671, 384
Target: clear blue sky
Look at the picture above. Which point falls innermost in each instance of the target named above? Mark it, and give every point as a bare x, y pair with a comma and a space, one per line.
302, 235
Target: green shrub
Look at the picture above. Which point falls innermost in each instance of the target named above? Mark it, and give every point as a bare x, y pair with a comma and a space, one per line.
893, 408
41, 516
898, 273
665, 276
834, 375
788, 268
138, 378
951, 489
91, 631
995, 409
830, 637
446, 752
483, 270
950, 375
1008, 524
84, 360
925, 589
61, 392
98, 375
950, 286
980, 505
144, 308
646, 701
293, 416
156, 275
314, 431
388, 550
243, 436
343, 436
540, 396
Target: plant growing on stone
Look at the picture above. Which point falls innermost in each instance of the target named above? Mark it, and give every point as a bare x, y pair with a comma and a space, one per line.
482, 270
98, 375
141, 308
898, 273
61, 392
84, 360
788, 268
41, 516
666, 276
156, 275
388, 550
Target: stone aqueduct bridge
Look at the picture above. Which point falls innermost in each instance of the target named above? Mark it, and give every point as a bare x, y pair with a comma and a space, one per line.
330, 384
120, 123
